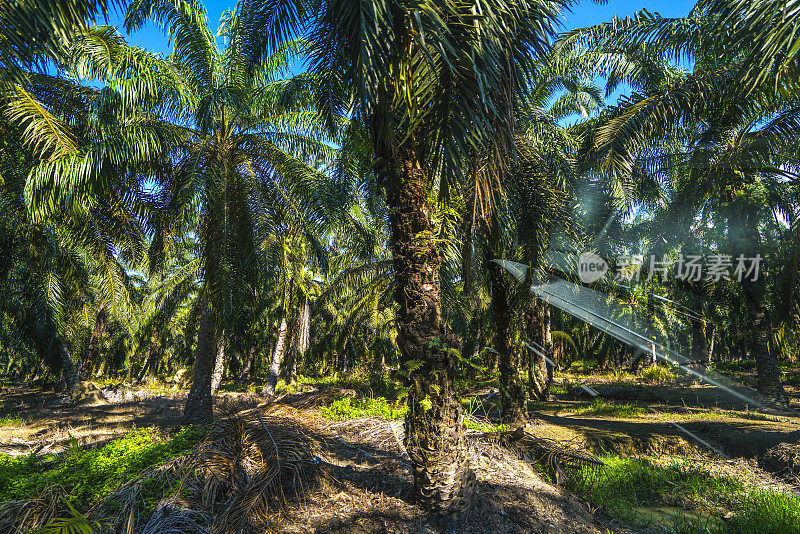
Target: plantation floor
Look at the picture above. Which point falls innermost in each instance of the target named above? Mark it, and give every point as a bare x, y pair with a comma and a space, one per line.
365, 483
44, 422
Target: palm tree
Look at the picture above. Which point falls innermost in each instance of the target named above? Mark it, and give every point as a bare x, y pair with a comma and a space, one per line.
32, 33
250, 145
730, 124
54, 267
536, 188
431, 86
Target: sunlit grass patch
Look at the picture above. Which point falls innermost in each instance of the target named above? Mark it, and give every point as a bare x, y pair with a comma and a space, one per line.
160, 388
89, 475
638, 491
8, 420
349, 408
484, 426
611, 409
657, 373
626, 483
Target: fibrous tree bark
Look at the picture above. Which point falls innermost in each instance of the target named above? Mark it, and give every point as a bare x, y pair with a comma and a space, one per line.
199, 403
434, 436
277, 358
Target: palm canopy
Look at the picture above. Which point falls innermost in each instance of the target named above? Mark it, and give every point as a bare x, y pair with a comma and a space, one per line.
432, 85
718, 143
252, 152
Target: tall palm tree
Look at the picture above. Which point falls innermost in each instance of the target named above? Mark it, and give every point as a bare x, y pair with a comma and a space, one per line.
431, 84
731, 125
250, 145
536, 188
54, 267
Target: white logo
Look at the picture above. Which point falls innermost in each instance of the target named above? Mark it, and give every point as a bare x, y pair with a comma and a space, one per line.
591, 267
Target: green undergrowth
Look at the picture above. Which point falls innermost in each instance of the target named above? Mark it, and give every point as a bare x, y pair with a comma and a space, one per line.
349, 408
657, 373
7, 420
686, 499
610, 409
88, 475
484, 426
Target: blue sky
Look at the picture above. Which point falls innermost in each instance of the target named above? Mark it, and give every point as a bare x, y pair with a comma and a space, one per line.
585, 13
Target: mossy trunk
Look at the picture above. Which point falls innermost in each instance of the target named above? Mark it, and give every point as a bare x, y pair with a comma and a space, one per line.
511, 389
434, 437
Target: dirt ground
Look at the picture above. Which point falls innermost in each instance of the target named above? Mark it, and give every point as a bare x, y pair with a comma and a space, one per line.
366, 485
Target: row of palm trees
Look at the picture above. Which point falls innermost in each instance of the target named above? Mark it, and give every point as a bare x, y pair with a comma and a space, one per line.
215, 207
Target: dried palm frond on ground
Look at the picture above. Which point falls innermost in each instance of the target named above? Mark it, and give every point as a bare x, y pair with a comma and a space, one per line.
783, 459
127, 505
554, 456
381, 434
173, 516
28, 515
249, 467
315, 398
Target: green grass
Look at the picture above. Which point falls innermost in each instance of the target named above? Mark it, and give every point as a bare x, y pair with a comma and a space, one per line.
484, 426
349, 408
657, 373
8, 420
735, 365
627, 484
90, 475
610, 409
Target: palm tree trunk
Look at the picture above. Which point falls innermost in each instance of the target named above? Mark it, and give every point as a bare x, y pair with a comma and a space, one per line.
199, 403
248, 366
299, 341
540, 371
434, 437
748, 241
92, 355
68, 369
512, 391
650, 356
709, 337
277, 358
151, 355
219, 366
